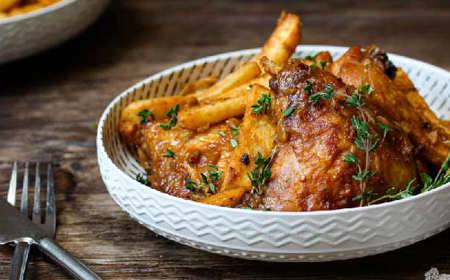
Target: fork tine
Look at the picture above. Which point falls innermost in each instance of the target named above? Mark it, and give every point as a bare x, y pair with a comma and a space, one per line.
50, 215
13, 185
24, 201
36, 217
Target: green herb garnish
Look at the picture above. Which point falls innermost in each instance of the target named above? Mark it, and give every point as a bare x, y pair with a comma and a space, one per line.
263, 104
289, 111
189, 184
355, 100
326, 94
393, 194
386, 129
143, 179
169, 153
172, 114
366, 89
262, 172
235, 131
309, 87
144, 116
310, 57
222, 133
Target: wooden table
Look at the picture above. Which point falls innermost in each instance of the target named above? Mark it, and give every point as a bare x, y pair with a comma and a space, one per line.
49, 103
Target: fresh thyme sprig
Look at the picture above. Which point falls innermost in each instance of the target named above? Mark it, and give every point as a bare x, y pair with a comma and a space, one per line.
235, 131
393, 194
289, 110
309, 87
209, 179
190, 185
172, 114
326, 94
262, 172
428, 184
386, 129
144, 116
355, 100
367, 142
263, 104
442, 177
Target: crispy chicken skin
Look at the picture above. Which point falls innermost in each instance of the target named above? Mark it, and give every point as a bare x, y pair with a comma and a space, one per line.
308, 172
396, 98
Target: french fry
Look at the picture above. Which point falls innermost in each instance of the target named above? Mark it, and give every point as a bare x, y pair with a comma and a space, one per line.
201, 117
240, 90
130, 119
283, 40
242, 75
199, 85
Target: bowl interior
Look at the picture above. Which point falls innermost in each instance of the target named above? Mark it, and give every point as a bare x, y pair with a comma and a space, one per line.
432, 82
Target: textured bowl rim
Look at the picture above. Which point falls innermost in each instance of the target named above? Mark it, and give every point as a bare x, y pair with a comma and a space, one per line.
49, 9
174, 199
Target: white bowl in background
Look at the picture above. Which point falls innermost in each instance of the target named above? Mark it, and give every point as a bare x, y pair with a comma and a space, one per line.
270, 236
28, 34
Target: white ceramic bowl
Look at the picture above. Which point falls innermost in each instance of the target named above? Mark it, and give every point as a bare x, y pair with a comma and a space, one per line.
28, 34
270, 236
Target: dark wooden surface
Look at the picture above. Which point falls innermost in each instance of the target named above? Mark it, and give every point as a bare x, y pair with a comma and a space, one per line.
49, 103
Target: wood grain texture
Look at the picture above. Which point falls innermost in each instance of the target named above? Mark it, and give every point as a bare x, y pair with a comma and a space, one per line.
48, 104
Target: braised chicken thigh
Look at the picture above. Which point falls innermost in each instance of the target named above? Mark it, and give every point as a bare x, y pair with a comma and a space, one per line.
396, 98
310, 171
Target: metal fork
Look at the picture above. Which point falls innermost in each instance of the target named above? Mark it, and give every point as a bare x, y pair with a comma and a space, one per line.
22, 249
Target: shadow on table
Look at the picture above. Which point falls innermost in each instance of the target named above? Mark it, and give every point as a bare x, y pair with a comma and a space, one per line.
408, 263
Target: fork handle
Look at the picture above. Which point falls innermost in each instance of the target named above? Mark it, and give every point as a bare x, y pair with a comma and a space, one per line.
62, 257
19, 261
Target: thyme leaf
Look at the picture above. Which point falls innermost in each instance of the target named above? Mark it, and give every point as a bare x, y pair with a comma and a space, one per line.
289, 111
263, 104
143, 179
262, 172
144, 116
172, 114
169, 154
326, 94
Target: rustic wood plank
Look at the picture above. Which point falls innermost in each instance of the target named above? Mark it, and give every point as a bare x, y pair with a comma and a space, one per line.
48, 104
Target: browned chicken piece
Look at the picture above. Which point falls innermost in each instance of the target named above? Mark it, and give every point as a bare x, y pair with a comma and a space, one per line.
176, 158
396, 98
309, 172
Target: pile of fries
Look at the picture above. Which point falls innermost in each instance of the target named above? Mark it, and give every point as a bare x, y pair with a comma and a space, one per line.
212, 101
18, 7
